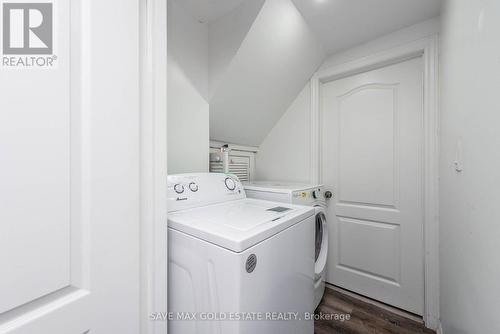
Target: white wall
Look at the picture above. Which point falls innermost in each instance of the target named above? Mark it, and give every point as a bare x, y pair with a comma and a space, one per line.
188, 111
283, 155
469, 200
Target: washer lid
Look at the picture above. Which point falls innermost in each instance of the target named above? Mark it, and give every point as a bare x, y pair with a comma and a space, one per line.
240, 224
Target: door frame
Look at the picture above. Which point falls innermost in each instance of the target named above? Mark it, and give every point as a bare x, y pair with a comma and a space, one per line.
153, 166
427, 48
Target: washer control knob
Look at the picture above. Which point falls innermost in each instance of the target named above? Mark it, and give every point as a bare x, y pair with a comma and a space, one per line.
193, 187
315, 194
179, 188
230, 184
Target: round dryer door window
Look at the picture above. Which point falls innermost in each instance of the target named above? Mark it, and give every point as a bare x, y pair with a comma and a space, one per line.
318, 243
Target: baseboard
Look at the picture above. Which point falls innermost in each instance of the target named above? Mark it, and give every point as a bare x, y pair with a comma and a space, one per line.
439, 330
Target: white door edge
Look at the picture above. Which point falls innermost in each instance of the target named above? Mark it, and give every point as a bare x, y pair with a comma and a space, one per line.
428, 49
153, 25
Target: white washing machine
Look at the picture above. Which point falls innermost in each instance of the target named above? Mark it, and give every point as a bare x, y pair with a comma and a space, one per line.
237, 265
301, 194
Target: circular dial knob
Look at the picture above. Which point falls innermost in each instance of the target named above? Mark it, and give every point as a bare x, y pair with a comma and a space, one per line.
193, 187
230, 184
179, 188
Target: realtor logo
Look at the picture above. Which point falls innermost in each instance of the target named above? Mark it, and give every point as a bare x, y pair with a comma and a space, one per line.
27, 28
27, 34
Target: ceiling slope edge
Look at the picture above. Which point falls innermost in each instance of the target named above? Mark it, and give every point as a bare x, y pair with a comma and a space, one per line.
226, 36
273, 63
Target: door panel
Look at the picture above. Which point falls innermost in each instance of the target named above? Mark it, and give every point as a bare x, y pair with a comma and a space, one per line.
378, 260
34, 141
372, 159
369, 109
69, 178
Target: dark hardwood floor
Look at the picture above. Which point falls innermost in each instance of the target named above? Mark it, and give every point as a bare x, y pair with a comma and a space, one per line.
365, 318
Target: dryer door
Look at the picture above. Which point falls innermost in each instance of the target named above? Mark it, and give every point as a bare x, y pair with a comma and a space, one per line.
320, 243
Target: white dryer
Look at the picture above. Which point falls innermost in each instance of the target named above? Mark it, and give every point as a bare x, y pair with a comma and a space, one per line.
301, 194
237, 265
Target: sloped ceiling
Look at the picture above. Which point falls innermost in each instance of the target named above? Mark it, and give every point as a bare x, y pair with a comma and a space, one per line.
275, 60
225, 37
341, 24
262, 52
207, 11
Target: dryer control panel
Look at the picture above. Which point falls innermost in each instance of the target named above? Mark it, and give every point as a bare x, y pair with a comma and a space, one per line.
199, 189
309, 196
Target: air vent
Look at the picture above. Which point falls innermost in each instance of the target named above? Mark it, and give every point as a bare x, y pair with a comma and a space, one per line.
238, 165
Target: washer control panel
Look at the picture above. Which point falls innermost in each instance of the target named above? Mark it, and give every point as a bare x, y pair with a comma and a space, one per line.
192, 190
230, 183
193, 186
179, 188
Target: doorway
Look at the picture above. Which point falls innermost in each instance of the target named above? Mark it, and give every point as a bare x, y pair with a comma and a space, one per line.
372, 160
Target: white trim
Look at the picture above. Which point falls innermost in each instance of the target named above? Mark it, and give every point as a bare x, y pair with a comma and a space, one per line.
244, 148
439, 329
315, 152
153, 231
428, 49
378, 60
431, 182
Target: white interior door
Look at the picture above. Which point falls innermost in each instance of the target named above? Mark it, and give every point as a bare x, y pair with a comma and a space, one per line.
69, 175
372, 160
